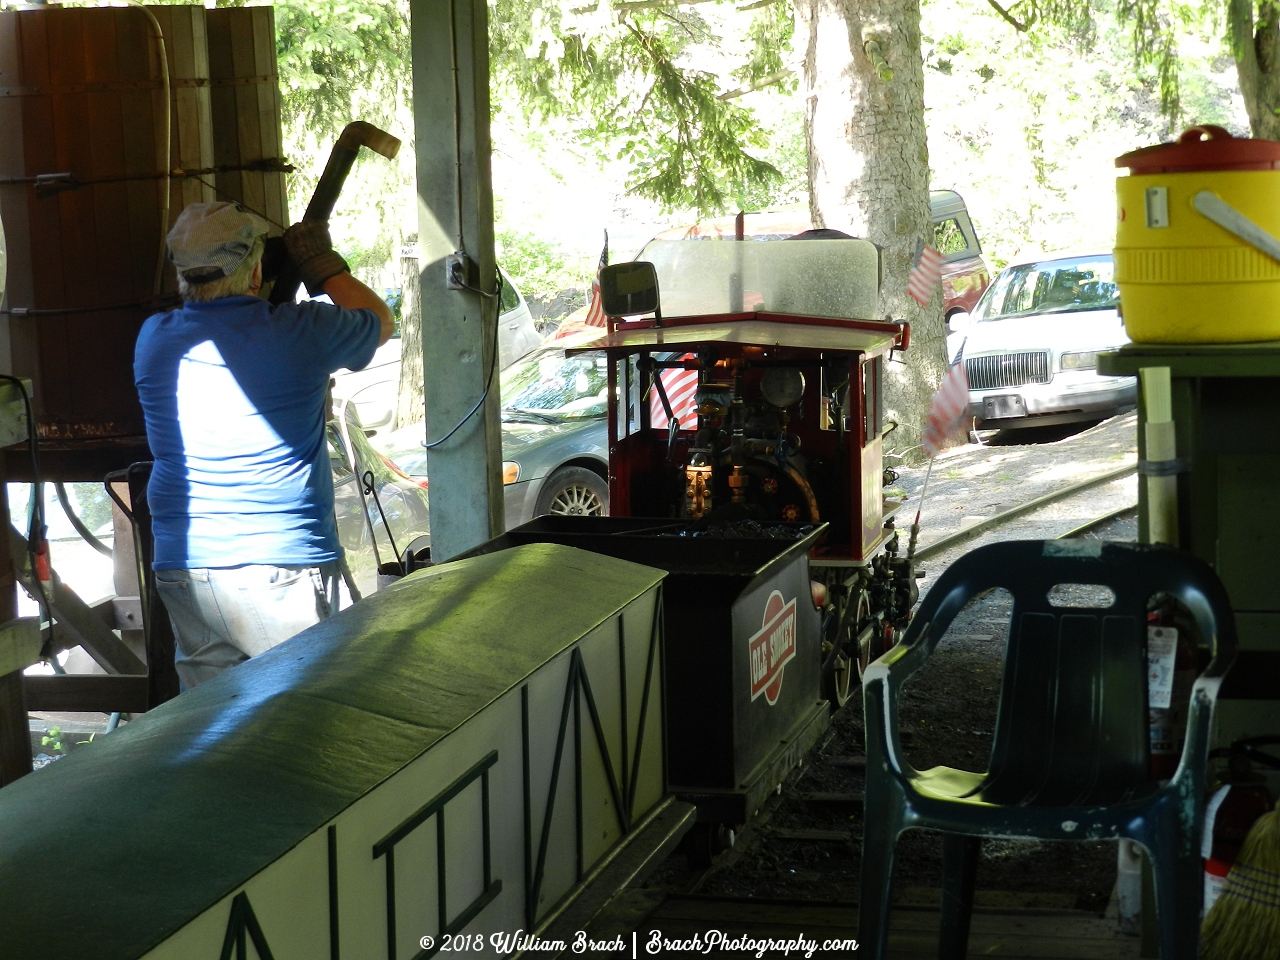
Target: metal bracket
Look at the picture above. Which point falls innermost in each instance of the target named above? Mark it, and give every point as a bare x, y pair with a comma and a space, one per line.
1164, 468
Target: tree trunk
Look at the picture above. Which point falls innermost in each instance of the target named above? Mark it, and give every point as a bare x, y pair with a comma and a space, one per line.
1255, 41
411, 400
869, 169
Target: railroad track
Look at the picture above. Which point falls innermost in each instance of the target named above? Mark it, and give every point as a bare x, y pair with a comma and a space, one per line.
1005, 517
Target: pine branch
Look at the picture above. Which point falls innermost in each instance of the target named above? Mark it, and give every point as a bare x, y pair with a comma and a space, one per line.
1008, 17
760, 84
629, 5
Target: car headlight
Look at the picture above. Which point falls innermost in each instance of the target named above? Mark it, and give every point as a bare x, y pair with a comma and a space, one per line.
1079, 361
510, 472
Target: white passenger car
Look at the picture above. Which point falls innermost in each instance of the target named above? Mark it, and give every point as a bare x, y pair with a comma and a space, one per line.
1031, 349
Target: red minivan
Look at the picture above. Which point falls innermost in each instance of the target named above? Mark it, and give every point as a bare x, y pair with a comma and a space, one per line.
964, 272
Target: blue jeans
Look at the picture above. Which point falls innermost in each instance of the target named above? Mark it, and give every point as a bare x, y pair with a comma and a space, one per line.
224, 616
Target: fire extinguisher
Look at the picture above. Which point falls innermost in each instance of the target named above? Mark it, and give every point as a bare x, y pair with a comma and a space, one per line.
1171, 672
1238, 799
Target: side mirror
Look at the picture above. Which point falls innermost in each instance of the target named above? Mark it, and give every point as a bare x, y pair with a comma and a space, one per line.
629, 289
958, 322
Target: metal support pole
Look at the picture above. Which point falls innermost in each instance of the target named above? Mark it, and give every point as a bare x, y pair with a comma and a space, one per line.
455, 217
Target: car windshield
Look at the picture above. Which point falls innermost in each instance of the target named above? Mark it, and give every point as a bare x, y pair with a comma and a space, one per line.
546, 386
1050, 286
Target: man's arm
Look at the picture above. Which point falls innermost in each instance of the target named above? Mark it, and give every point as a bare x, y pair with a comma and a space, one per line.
322, 269
346, 291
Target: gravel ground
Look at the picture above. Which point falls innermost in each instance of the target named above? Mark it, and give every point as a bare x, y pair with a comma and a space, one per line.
806, 843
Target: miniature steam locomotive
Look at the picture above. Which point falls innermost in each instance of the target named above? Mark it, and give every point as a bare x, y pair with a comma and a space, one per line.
746, 386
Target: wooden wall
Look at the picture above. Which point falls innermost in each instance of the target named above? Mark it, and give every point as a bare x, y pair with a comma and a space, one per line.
81, 93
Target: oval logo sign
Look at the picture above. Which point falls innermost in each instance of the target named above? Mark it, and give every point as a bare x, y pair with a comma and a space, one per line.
773, 647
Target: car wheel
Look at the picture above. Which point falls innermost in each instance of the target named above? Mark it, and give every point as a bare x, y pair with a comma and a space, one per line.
574, 492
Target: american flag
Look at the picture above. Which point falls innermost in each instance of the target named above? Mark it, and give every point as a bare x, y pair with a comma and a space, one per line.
948, 412
926, 273
595, 313
682, 391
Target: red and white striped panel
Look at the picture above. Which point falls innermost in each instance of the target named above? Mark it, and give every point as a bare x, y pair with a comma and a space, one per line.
682, 392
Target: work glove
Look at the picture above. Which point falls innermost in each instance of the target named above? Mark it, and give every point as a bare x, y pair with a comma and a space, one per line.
312, 253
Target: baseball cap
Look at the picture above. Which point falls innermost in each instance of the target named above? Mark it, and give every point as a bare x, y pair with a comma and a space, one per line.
210, 241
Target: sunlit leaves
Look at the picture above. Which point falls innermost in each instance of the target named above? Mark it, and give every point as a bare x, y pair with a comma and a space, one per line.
621, 75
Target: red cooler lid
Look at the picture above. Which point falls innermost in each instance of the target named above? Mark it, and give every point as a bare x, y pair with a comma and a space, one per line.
1203, 148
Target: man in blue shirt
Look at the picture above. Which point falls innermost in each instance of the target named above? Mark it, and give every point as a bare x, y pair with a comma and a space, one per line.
233, 390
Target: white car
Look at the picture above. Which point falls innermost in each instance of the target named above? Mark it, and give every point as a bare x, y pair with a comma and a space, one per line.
1030, 351
374, 389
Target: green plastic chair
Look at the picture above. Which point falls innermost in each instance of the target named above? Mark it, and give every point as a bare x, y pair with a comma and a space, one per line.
1069, 760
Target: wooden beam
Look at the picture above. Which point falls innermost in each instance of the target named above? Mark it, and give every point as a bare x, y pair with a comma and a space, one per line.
75, 616
19, 644
15, 737
87, 693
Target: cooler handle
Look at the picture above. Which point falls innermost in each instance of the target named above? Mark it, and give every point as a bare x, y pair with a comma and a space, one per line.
1205, 131
1234, 222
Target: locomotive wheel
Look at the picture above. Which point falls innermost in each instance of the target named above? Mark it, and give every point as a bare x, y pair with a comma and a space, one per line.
705, 841
837, 680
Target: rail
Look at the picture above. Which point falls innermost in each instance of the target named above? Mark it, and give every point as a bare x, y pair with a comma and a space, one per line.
1039, 503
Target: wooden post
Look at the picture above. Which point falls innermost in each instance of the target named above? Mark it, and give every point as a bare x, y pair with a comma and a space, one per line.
15, 732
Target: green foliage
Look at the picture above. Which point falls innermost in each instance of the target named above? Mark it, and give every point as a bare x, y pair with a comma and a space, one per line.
1027, 125
53, 739
91, 503
622, 75
538, 267
338, 62
1154, 28
770, 35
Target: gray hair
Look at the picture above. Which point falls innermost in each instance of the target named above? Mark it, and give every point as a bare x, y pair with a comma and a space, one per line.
233, 286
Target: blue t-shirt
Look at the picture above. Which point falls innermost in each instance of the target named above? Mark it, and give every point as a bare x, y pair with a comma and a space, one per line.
233, 392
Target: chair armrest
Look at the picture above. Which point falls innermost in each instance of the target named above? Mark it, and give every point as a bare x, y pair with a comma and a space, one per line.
1189, 777
881, 682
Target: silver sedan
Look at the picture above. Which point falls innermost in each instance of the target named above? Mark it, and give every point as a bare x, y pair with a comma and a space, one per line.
554, 434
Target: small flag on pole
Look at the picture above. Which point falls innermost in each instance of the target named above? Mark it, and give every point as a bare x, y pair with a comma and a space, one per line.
948, 418
926, 273
595, 313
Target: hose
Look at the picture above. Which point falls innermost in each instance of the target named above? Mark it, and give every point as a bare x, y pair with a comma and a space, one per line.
77, 524
162, 254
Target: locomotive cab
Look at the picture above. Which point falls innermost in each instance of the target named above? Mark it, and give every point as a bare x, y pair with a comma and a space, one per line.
752, 389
